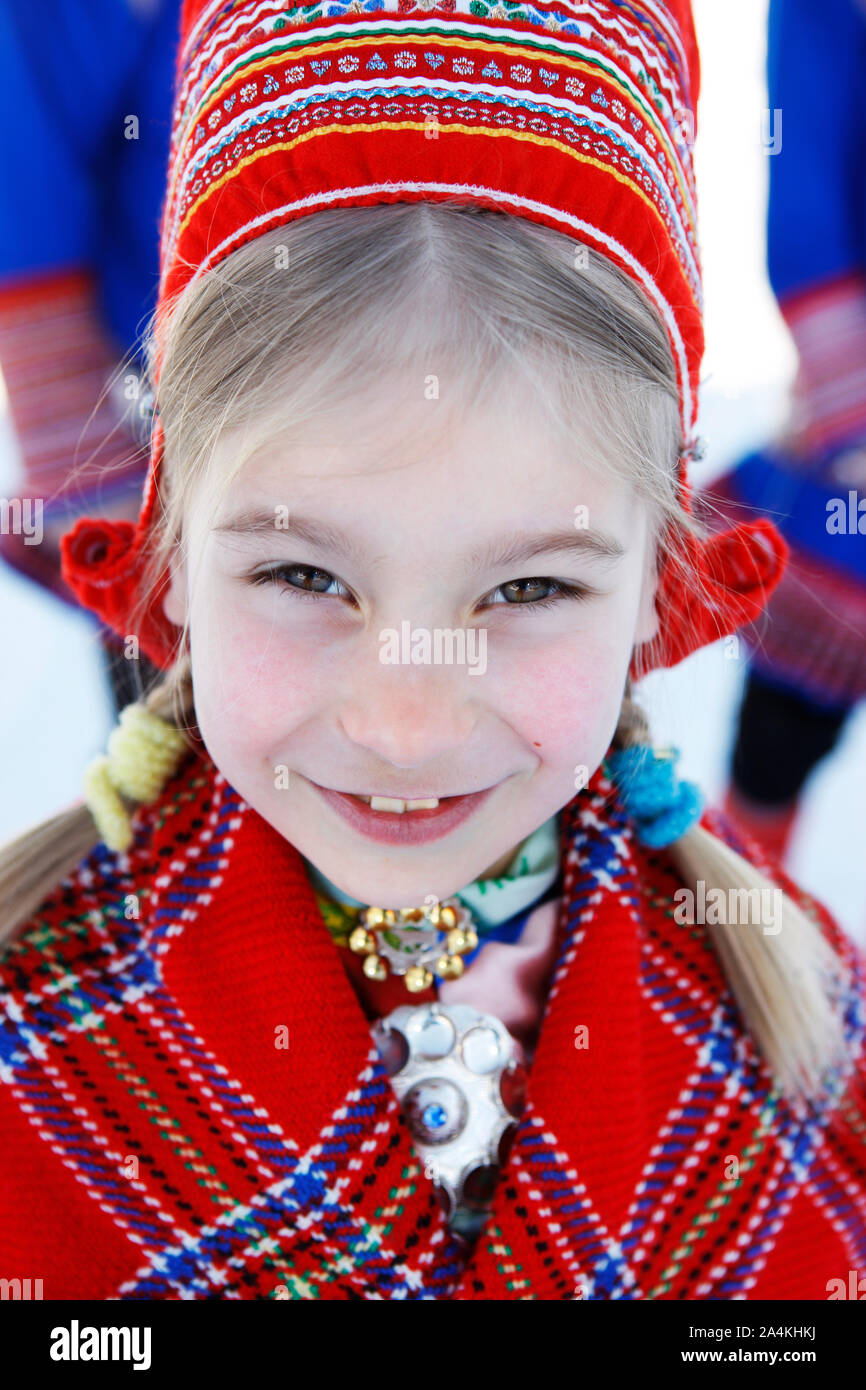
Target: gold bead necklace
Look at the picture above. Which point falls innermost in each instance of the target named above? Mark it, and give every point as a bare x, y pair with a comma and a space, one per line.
417, 943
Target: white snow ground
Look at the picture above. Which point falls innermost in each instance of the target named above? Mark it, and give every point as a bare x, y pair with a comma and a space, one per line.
55, 711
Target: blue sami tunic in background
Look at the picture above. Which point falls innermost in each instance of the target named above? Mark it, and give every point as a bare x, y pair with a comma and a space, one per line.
813, 640
76, 190
816, 210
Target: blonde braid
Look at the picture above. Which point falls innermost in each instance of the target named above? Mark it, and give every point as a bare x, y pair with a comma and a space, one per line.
633, 726
143, 752
790, 984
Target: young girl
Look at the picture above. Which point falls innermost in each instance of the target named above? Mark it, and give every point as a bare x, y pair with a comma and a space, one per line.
386, 957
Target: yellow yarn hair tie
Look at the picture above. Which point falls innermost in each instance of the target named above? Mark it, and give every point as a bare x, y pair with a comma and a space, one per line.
143, 752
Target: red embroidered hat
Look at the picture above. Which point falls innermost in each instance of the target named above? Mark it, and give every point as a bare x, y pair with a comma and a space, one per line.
581, 117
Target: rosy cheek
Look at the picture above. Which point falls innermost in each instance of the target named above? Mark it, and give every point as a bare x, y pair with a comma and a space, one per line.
254, 679
562, 697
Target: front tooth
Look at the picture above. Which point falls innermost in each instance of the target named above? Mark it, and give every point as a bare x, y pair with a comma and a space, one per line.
386, 803
429, 804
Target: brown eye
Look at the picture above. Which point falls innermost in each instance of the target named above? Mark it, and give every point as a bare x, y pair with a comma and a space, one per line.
299, 579
538, 593
303, 577
527, 590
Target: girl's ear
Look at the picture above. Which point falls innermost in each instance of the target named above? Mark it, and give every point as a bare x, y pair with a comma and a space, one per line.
174, 599
648, 618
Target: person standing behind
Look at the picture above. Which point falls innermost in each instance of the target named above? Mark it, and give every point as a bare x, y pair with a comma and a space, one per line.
807, 662
85, 104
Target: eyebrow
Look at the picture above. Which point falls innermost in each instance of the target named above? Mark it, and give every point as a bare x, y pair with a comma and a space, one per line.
508, 550
264, 522
512, 550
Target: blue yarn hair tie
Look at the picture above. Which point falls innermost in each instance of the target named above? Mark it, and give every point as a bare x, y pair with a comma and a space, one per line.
663, 806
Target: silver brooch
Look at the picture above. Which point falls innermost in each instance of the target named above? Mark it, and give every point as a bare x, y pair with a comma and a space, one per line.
460, 1077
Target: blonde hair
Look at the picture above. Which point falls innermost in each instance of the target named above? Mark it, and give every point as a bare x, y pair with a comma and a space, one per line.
251, 347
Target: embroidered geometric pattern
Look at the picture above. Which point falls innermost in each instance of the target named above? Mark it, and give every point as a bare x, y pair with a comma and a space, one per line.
144, 1100
608, 85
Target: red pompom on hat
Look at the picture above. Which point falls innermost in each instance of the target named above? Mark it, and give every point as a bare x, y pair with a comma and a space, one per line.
106, 562
582, 122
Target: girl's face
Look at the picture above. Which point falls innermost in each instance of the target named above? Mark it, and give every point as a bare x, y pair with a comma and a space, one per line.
452, 619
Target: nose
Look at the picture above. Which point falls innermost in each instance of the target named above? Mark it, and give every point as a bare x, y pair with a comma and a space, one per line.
411, 716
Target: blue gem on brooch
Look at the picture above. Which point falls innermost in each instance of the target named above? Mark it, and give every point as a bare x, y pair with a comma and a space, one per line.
436, 1110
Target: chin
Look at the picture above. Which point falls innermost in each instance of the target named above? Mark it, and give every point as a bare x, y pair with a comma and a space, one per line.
394, 889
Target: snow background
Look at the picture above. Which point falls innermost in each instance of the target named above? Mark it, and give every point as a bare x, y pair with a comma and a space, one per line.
55, 707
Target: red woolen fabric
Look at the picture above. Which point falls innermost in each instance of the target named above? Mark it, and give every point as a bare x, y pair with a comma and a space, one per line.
159, 1144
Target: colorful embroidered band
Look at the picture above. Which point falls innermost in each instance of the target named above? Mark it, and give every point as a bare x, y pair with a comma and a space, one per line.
579, 116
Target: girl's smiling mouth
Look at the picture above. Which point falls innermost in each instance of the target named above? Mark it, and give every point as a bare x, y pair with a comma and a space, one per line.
413, 821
